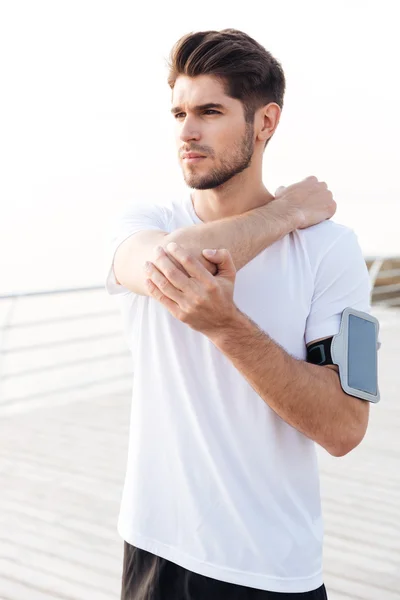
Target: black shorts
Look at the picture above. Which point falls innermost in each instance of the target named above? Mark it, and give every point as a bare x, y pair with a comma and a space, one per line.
146, 576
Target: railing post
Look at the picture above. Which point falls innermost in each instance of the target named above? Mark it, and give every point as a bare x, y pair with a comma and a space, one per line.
374, 271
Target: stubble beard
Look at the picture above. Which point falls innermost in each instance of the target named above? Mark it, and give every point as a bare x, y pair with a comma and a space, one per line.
229, 167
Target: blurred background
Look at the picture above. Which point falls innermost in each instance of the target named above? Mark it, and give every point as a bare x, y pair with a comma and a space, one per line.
85, 130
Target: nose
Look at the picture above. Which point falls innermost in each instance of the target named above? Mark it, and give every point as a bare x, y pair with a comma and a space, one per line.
189, 131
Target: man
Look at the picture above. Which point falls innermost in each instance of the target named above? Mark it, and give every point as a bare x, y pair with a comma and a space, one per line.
221, 497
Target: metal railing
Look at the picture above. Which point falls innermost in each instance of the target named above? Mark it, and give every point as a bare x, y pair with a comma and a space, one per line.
385, 280
58, 344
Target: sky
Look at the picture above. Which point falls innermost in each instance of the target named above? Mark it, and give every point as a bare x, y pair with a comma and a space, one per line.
86, 127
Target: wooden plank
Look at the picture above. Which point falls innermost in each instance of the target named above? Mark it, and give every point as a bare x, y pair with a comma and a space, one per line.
62, 467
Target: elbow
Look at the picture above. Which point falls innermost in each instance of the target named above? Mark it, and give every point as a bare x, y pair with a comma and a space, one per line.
348, 438
339, 451
345, 446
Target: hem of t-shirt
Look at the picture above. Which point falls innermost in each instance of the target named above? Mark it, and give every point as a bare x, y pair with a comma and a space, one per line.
252, 580
327, 328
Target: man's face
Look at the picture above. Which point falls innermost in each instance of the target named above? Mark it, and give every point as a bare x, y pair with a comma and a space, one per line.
210, 123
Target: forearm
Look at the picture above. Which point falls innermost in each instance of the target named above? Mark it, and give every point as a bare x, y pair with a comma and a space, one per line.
307, 397
244, 235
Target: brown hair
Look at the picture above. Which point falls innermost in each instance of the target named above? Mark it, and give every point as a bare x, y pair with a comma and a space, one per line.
249, 72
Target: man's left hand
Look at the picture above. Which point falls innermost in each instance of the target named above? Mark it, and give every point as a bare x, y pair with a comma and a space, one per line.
199, 299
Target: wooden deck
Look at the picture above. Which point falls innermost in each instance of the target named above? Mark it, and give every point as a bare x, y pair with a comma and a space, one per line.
61, 475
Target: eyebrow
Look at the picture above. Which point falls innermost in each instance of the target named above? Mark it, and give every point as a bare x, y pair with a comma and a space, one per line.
199, 107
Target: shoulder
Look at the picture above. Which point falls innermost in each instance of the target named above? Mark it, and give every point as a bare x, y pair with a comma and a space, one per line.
144, 210
327, 233
329, 239
334, 253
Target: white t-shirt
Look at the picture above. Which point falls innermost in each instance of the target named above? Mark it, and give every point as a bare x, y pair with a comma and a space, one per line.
216, 481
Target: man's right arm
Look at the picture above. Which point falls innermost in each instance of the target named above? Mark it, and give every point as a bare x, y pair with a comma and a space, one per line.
245, 236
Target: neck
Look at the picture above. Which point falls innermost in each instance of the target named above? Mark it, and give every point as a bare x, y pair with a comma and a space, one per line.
243, 192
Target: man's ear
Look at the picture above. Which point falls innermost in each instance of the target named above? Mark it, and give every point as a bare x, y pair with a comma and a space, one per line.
268, 120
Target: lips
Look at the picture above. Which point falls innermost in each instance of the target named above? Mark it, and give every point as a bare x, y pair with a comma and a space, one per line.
192, 155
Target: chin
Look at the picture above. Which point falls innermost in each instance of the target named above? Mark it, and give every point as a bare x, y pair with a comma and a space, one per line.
201, 185
193, 184
197, 183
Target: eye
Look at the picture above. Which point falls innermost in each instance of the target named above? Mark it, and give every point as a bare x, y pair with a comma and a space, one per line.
209, 111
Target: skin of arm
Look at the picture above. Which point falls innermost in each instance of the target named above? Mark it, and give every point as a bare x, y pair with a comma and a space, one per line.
298, 206
245, 235
306, 396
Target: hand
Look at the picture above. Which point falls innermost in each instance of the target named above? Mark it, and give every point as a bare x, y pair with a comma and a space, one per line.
199, 299
209, 266
309, 202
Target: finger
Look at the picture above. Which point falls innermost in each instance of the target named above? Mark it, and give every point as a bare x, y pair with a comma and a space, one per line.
223, 259
279, 190
192, 266
157, 294
165, 264
162, 283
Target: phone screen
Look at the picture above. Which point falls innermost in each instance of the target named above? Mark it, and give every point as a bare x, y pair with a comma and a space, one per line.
362, 358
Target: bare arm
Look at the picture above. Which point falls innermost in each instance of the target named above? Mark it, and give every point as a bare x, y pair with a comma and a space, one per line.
304, 395
245, 235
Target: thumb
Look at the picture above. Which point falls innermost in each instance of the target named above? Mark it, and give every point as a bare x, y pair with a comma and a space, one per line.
223, 259
279, 190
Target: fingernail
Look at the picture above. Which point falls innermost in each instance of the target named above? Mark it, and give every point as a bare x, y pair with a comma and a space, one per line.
172, 246
209, 252
160, 251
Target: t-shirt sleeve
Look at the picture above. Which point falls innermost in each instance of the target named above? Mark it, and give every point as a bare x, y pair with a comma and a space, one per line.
341, 281
136, 218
